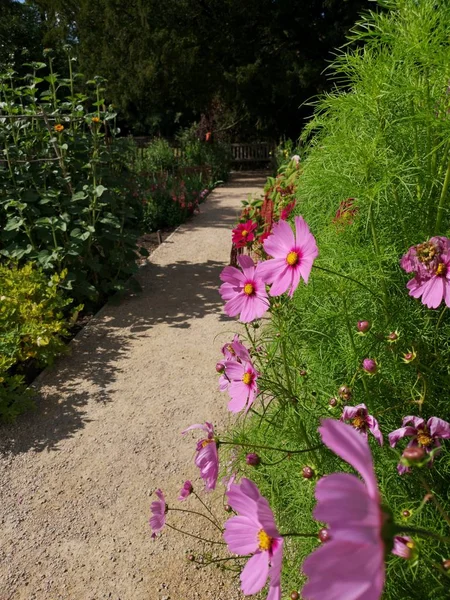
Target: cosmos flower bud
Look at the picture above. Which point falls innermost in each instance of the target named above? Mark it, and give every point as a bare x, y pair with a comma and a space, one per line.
333, 402
294, 595
446, 564
252, 459
345, 392
409, 356
363, 326
324, 535
220, 367
393, 337
308, 472
370, 366
413, 456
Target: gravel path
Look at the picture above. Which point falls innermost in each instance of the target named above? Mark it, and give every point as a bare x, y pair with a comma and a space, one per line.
77, 474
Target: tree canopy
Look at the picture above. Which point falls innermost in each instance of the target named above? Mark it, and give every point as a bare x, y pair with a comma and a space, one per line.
255, 62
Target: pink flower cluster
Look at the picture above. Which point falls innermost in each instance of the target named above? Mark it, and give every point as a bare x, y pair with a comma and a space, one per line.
292, 256
430, 263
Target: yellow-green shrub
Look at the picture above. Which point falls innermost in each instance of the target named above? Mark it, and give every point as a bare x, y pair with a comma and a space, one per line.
32, 324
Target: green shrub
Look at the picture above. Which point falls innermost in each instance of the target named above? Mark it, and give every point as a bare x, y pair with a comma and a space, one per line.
33, 325
64, 191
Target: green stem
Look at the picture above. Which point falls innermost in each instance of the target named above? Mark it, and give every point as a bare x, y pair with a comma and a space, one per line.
207, 508
195, 512
422, 532
270, 447
302, 535
440, 210
438, 505
197, 537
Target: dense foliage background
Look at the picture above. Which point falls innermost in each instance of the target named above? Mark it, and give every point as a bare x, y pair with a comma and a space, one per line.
374, 181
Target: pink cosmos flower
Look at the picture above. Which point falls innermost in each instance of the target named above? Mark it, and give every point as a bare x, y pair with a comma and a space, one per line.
351, 564
403, 546
293, 254
185, 491
363, 422
425, 435
159, 511
286, 211
254, 531
236, 350
430, 263
244, 292
243, 233
243, 386
207, 459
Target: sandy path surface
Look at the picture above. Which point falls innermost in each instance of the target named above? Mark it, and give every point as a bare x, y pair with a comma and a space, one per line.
77, 474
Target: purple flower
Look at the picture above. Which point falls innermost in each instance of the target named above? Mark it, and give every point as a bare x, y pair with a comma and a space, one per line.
404, 547
185, 491
370, 366
351, 563
207, 459
244, 291
430, 263
243, 386
361, 420
254, 531
293, 256
159, 511
425, 435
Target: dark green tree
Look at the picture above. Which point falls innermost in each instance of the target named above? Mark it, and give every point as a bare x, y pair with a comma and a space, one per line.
169, 62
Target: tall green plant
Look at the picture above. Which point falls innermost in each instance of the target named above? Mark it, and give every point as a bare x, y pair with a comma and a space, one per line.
64, 194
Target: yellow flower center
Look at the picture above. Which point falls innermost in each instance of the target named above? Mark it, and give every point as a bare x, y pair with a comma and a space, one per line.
206, 442
410, 545
292, 258
265, 541
358, 422
424, 438
441, 269
244, 233
249, 289
230, 349
247, 378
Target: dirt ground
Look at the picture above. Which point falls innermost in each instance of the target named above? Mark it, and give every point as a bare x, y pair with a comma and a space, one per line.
78, 473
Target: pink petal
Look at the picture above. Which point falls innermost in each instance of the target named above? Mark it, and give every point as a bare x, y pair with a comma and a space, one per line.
270, 269
344, 503
280, 241
353, 572
439, 428
255, 573
374, 428
416, 421
400, 433
352, 447
433, 292
241, 535
247, 265
234, 306
283, 280
234, 370
227, 291
232, 275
